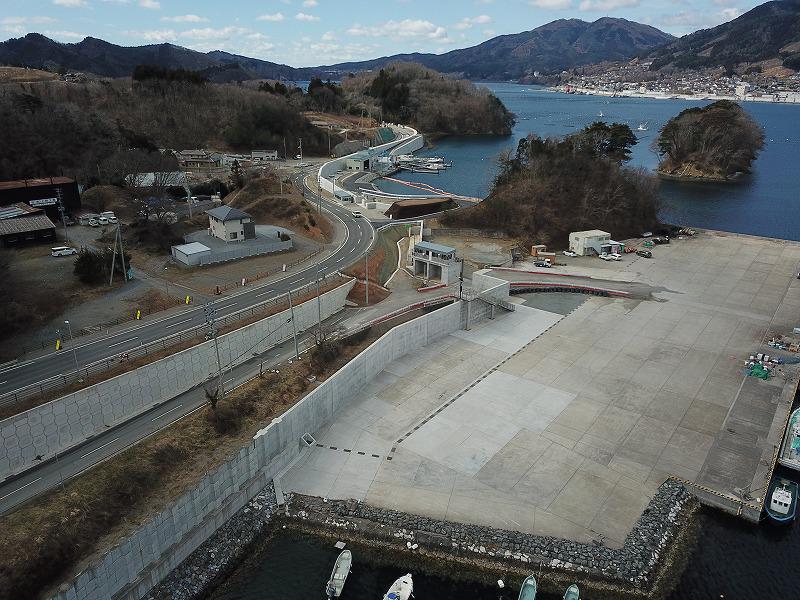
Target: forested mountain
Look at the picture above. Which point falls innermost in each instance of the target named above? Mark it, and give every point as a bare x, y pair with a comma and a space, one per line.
558, 45
770, 31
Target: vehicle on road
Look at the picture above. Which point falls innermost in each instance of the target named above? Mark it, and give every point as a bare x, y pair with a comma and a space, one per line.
645, 253
102, 221
357, 214
661, 240
94, 223
542, 263
62, 251
570, 253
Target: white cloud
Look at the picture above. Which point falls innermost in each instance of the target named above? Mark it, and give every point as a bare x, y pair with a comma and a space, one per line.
209, 33
185, 19
551, 4
301, 16
468, 22
605, 5
729, 14
70, 3
328, 36
274, 17
407, 28
724, 2
686, 21
158, 36
310, 3
64, 35
150, 4
489, 32
26, 20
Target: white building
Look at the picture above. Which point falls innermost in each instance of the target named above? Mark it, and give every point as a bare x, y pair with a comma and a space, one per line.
191, 254
359, 161
436, 262
593, 241
230, 224
262, 155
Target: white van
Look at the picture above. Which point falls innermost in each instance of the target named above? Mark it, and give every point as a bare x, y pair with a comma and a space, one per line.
108, 214
357, 214
62, 251
102, 221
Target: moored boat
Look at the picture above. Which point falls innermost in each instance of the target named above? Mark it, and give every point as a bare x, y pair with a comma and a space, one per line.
781, 501
572, 593
528, 589
401, 589
341, 569
790, 449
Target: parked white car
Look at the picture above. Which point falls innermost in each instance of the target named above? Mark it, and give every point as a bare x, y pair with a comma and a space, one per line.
570, 253
112, 219
94, 223
615, 256
102, 221
62, 251
357, 214
605, 256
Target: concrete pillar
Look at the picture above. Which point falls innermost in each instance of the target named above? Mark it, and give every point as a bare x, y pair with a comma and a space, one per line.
491, 311
469, 314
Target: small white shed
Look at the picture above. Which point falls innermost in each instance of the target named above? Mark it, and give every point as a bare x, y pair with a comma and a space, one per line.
191, 254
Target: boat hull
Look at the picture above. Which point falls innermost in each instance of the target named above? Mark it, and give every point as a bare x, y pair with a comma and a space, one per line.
401, 589
528, 589
776, 517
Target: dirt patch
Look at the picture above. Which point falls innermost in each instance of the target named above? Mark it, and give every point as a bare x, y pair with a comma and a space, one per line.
23, 75
478, 251
382, 256
110, 197
47, 538
154, 300
358, 295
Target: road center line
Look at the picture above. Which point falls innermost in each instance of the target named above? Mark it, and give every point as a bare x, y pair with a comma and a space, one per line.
99, 447
265, 293
225, 305
19, 488
178, 323
166, 413
123, 341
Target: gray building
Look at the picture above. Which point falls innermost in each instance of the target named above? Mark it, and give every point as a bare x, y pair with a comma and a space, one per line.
360, 161
436, 262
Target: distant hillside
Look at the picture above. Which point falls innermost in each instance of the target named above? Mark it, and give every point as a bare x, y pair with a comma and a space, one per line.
559, 45
562, 44
769, 32
103, 58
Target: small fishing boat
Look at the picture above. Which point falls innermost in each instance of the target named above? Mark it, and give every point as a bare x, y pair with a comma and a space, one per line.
790, 449
528, 589
642, 126
341, 569
572, 593
600, 114
401, 589
781, 504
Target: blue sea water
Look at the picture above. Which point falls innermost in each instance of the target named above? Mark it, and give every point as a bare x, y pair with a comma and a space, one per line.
767, 202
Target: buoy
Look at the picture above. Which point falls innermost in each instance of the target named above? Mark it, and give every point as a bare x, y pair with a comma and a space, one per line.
500, 584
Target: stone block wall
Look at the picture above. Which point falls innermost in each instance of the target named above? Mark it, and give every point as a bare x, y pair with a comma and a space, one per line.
138, 563
70, 420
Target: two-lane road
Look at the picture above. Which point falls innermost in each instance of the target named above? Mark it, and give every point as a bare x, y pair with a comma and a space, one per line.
359, 236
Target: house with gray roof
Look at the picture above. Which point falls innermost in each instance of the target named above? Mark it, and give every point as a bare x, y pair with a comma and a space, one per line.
230, 224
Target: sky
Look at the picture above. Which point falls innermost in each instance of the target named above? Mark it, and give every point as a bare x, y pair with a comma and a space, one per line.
314, 32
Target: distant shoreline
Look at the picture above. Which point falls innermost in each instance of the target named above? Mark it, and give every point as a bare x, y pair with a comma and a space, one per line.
664, 96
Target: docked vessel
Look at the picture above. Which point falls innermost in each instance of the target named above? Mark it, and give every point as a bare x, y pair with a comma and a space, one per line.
572, 593
528, 589
401, 589
341, 569
790, 449
781, 504
642, 126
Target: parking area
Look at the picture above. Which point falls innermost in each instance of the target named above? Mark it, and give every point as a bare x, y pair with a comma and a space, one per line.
571, 435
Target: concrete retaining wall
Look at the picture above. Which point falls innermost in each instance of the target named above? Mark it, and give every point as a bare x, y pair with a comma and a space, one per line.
65, 422
141, 561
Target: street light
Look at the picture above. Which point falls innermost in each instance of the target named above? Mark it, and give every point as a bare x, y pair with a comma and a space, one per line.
74, 353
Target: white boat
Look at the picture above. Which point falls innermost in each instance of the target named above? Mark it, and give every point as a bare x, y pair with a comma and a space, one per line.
401, 589
790, 450
600, 114
341, 569
642, 126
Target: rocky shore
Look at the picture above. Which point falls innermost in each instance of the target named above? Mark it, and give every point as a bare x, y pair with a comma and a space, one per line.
631, 571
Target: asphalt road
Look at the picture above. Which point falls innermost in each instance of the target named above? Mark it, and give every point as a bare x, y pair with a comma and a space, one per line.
52, 473
359, 237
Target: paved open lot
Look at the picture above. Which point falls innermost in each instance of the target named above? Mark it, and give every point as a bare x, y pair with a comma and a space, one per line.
570, 435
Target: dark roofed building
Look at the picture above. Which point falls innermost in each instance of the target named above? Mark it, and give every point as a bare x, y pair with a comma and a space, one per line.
31, 229
42, 193
408, 209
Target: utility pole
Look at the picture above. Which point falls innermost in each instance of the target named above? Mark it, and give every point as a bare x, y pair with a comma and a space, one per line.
74, 354
319, 307
61, 212
461, 280
294, 326
285, 155
366, 278
301, 149
329, 139
113, 262
122, 254
210, 313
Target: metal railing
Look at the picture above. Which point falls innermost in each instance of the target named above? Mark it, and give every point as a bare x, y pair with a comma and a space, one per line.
47, 386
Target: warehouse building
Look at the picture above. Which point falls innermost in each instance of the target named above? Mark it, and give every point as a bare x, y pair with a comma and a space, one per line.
593, 242
42, 193
29, 229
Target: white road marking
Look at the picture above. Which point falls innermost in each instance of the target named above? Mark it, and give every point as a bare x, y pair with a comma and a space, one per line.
99, 447
124, 341
19, 488
265, 293
224, 306
166, 413
178, 323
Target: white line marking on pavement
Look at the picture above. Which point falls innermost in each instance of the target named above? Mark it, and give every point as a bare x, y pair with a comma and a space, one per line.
99, 447
19, 488
124, 341
166, 413
178, 323
225, 305
265, 293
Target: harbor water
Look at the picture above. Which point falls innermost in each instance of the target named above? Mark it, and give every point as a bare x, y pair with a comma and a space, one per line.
731, 560
765, 203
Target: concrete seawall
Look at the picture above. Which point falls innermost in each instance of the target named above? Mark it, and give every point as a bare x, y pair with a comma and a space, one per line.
130, 569
53, 427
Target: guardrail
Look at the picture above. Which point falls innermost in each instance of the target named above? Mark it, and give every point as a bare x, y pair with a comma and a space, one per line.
52, 384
